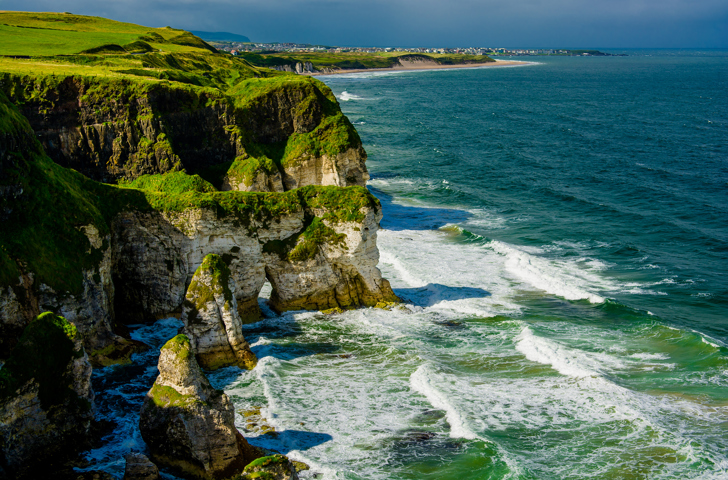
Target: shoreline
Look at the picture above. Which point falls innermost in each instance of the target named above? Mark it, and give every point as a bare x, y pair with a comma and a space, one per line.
497, 63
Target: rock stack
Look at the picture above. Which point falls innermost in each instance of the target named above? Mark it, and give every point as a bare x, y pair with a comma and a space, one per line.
212, 322
188, 425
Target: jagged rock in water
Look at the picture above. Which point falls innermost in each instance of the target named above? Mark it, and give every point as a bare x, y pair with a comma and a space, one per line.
212, 322
273, 467
188, 425
46, 399
139, 467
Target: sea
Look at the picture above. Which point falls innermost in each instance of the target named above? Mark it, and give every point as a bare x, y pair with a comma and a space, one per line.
558, 232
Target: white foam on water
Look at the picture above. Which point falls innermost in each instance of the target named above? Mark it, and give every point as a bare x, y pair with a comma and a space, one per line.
650, 356
559, 278
565, 360
346, 96
433, 271
422, 383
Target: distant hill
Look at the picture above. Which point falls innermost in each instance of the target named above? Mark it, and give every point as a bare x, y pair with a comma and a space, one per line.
220, 36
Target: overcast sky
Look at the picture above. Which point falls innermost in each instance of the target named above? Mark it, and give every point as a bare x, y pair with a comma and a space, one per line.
447, 23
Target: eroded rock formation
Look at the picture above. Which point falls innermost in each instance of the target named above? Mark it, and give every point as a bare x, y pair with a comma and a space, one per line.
188, 425
211, 319
46, 399
317, 247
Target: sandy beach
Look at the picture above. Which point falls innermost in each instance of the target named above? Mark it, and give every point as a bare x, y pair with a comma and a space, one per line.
426, 66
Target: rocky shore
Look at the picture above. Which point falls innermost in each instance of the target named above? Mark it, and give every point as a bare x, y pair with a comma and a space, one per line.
209, 194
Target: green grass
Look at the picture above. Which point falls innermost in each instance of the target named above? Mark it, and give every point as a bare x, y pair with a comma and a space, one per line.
25, 41
173, 182
47, 34
43, 353
246, 169
334, 135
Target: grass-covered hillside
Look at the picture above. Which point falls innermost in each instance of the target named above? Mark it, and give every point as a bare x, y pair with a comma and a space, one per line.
66, 44
132, 100
42, 34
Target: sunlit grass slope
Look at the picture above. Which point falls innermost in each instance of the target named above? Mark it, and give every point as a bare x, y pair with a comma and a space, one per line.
43, 34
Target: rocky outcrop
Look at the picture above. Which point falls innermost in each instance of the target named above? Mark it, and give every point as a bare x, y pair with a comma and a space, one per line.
188, 425
46, 399
211, 319
139, 467
341, 170
273, 467
316, 246
111, 129
301, 68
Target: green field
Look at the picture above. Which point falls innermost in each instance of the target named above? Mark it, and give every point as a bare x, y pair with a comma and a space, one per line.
47, 34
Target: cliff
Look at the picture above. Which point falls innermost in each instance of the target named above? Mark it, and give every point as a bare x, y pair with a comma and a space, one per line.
104, 255
270, 134
46, 400
221, 176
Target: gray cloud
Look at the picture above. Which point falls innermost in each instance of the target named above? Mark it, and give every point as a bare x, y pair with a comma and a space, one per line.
518, 23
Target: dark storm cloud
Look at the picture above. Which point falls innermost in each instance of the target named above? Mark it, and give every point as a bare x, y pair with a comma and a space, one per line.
554, 23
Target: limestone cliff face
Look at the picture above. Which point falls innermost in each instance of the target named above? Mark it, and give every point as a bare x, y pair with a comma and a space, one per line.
112, 129
343, 169
46, 399
311, 262
211, 319
188, 425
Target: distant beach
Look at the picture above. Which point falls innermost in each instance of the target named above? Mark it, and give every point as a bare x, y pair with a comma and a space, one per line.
425, 66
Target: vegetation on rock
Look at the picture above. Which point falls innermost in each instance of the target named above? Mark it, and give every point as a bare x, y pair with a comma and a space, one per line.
43, 354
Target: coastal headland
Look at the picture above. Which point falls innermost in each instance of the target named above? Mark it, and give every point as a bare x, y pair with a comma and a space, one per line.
145, 175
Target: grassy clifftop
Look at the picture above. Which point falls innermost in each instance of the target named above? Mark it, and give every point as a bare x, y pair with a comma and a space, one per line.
134, 100
68, 34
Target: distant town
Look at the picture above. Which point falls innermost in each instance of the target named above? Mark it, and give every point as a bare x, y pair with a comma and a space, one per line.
235, 48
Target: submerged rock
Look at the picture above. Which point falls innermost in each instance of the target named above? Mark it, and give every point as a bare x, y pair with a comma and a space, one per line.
212, 322
188, 425
46, 399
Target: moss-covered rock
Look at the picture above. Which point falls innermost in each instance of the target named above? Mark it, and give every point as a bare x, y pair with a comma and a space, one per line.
272, 467
188, 425
46, 399
211, 318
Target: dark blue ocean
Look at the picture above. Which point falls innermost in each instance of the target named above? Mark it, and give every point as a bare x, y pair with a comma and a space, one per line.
560, 233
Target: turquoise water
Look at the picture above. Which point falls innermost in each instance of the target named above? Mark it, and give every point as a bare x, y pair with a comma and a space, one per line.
560, 232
